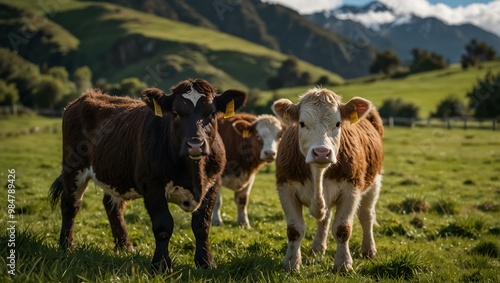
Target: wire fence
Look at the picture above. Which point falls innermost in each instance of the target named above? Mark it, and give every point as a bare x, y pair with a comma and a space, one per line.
447, 123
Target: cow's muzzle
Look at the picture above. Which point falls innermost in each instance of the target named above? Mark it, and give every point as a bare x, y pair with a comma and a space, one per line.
321, 156
268, 155
196, 148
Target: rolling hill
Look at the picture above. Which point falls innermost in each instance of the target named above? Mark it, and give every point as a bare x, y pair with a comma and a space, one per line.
426, 90
118, 42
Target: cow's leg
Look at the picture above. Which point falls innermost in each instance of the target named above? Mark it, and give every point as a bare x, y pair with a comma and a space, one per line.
320, 240
163, 226
342, 226
295, 228
367, 217
241, 199
216, 215
115, 208
200, 223
71, 202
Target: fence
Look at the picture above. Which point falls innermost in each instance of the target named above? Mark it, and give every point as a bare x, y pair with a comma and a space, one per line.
448, 123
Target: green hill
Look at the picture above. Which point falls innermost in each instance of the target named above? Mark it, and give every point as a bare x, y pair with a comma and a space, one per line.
425, 90
118, 42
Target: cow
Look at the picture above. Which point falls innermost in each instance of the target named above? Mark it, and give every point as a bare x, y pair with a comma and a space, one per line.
250, 142
164, 149
330, 155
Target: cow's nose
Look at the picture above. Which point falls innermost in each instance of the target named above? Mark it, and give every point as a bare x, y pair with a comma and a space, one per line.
321, 155
195, 148
270, 155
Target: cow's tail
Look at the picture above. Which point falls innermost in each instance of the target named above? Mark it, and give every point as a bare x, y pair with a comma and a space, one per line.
55, 192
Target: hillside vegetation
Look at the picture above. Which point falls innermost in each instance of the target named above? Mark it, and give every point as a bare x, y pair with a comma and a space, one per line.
118, 42
425, 90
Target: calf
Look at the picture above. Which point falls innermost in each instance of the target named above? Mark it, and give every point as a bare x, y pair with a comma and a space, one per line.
165, 149
328, 158
250, 142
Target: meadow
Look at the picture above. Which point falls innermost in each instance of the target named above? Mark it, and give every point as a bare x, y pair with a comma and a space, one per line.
438, 215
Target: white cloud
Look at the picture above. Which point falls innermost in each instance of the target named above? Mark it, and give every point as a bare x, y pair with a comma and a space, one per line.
485, 15
308, 6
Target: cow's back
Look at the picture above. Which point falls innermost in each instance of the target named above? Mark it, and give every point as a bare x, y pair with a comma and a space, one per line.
104, 130
360, 155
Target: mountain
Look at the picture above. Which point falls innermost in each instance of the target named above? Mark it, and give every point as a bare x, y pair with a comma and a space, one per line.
271, 25
380, 26
118, 42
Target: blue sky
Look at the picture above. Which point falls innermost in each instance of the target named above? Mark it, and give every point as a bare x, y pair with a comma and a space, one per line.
451, 3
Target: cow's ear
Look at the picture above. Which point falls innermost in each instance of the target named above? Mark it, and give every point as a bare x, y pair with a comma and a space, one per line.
355, 109
243, 128
157, 100
286, 110
230, 101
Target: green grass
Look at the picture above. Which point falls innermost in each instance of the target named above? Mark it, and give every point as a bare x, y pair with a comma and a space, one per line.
426, 90
432, 166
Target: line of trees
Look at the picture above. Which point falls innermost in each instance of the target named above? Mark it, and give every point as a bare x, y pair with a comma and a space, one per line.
388, 63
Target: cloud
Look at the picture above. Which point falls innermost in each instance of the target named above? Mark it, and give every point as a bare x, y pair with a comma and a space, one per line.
484, 15
307, 6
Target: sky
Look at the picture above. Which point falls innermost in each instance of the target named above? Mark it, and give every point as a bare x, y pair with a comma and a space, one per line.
483, 13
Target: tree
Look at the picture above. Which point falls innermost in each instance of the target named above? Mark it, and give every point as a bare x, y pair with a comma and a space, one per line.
450, 107
82, 78
48, 91
9, 95
385, 62
476, 53
305, 78
323, 80
398, 108
132, 87
59, 73
484, 98
424, 60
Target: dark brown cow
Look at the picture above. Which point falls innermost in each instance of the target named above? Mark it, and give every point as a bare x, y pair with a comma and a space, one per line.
250, 142
324, 161
166, 149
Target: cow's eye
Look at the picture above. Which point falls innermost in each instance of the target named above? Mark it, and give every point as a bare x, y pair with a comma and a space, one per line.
175, 115
213, 115
338, 124
302, 125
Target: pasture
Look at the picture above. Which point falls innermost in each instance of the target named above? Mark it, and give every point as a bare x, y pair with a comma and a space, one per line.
439, 216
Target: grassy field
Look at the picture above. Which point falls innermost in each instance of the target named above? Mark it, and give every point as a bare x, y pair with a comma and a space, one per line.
439, 216
425, 90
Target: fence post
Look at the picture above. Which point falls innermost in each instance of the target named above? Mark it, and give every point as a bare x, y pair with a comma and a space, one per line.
494, 124
465, 123
448, 123
391, 122
412, 125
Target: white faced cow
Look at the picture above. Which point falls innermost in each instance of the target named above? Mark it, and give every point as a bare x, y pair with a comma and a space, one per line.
328, 158
250, 142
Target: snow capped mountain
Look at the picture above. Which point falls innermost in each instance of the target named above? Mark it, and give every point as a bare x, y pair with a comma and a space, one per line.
380, 26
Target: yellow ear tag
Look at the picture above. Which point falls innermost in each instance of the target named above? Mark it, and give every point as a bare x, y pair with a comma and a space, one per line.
245, 134
353, 117
158, 111
229, 109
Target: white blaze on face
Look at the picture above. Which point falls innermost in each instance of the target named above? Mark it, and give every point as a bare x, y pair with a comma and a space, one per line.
180, 196
193, 95
268, 128
318, 131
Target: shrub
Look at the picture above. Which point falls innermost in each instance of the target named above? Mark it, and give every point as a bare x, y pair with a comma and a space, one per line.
486, 248
450, 107
398, 108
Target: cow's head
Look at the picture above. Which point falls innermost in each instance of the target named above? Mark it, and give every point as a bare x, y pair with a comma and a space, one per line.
319, 116
265, 133
192, 109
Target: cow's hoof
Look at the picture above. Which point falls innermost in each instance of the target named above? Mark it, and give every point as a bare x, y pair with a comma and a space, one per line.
161, 268
345, 268
205, 264
217, 222
369, 254
245, 225
129, 247
291, 266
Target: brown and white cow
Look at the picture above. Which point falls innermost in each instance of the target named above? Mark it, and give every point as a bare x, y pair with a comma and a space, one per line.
165, 149
250, 142
328, 158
